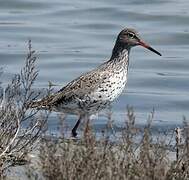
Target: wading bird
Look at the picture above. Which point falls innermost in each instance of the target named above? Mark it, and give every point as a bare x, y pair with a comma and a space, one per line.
96, 89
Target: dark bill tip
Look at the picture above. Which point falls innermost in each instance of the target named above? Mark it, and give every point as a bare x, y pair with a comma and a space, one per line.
153, 50
148, 47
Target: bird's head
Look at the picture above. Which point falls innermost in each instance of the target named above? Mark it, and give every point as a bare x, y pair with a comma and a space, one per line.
129, 37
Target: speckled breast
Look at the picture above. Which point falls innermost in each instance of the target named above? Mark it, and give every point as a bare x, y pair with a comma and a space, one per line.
112, 87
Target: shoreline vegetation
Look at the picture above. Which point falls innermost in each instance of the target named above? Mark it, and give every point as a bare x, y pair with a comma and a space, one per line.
28, 152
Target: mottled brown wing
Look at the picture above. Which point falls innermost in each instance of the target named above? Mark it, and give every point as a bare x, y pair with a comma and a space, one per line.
79, 87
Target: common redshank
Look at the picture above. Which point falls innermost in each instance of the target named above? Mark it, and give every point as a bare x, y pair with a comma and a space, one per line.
96, 89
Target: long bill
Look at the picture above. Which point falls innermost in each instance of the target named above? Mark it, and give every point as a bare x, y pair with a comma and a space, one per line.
149, 47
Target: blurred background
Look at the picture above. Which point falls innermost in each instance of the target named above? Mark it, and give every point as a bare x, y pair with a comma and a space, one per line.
72, 37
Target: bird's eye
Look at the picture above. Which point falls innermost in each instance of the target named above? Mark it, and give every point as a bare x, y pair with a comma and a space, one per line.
131, 35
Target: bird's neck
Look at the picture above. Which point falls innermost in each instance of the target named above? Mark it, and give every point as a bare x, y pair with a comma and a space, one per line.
119, 60
120, 52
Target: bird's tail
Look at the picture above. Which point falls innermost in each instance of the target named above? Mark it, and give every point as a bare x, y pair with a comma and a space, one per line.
35, 104
41, 103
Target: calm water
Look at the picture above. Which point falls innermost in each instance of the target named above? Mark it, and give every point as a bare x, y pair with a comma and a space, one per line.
72, 37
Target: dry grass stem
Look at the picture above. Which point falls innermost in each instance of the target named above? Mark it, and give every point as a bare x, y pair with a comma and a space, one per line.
20, 130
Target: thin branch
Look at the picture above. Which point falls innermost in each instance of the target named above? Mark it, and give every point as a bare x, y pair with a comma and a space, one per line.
13, 139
